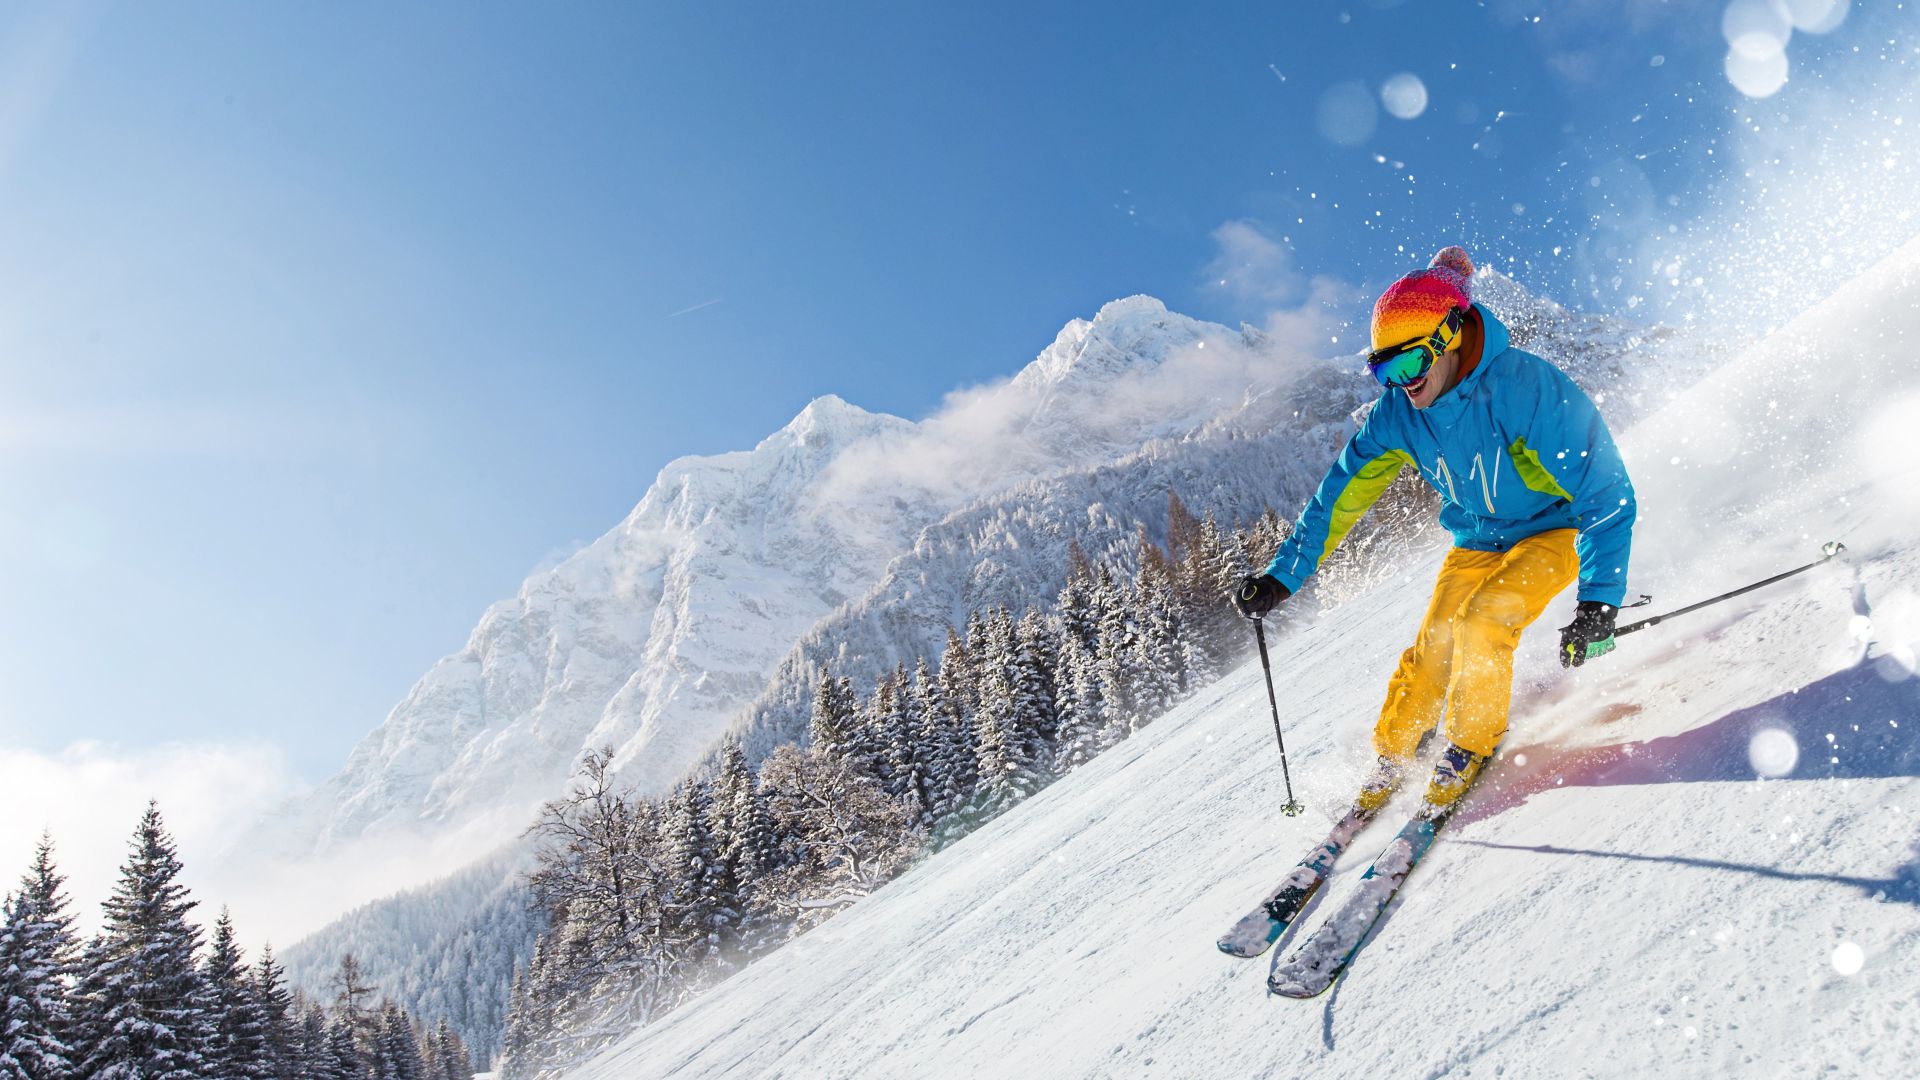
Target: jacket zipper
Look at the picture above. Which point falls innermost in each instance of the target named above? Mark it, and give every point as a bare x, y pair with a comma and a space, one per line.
1480, 469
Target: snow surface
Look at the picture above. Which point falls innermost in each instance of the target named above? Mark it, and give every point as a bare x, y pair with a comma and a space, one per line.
1622, 896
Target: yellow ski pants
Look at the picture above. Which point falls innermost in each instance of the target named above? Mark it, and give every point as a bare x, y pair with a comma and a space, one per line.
1481, 602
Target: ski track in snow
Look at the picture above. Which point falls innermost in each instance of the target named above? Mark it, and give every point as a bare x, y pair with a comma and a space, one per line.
1619, 897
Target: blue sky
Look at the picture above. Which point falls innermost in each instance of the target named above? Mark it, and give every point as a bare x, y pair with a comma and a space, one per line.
322, 325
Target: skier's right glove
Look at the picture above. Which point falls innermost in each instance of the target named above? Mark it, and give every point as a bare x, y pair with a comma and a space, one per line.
1589, 635
1258, 594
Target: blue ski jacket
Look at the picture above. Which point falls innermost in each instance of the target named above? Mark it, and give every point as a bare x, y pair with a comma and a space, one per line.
1515, 449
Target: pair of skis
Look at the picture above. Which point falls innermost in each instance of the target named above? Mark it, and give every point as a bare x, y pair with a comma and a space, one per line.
1324, 956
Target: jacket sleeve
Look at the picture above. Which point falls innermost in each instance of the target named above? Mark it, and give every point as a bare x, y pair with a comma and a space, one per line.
1365, 467
1571, 442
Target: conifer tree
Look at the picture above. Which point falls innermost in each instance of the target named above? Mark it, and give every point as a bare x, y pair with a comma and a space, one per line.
955, 698
37, 957
239, 1044
878, 728
353, 1002
278, 1019
142, 1006
1014, 711
912, 752
746, 849
396, 1049
315, 1055
697, 914
834, 707
344, 1058
1080, 708
1079, 621
1036, 674
1118, 665
949, 757
1162, 662
1215, 566
450, 1058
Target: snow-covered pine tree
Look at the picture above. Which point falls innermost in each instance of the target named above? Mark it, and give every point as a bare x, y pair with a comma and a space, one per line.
396, 1048
751, 854
239, 1045
1077, 701
343, 1057
913, 751
37, 956
1035, 677
354, 1002
955, 697
1005, 767
1205, 588
938, 734
141, 1006
878, 729
1079, 620
450, 1058
741, 837
524, 1028
1161, 674
834, 715
1118, 663
698, 916
315, 1060
974, 672
280, 1024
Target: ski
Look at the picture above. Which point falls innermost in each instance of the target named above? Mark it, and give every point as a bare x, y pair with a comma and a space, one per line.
1319, 962
1258, 929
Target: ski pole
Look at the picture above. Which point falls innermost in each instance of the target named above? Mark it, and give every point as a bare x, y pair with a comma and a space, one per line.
1830, 548
1292, 807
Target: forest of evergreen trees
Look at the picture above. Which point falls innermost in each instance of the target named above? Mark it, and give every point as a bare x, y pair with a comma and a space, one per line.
649, 901
148, 998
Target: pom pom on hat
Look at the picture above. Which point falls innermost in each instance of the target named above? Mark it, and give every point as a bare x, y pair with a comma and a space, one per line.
1413, 306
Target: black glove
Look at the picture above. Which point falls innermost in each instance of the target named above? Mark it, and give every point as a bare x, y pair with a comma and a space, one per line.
1258, 594
1590, 634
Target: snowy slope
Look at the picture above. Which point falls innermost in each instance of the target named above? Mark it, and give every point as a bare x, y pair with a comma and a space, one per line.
1622, 898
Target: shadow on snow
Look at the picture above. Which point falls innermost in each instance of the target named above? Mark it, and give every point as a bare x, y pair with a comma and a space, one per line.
1860, 723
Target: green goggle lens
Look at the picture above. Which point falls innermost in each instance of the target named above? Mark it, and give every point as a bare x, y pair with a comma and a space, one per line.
1403, 367
1398, 365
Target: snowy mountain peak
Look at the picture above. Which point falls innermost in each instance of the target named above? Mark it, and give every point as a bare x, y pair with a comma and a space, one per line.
1136, 331
830, 418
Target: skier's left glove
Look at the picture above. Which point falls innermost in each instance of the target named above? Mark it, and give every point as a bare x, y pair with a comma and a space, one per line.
1589, 635
1258, 594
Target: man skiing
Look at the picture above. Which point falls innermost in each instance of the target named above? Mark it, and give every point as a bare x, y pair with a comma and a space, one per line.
1532, 488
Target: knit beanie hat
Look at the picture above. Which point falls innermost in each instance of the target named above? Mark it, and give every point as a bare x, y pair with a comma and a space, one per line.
1415, 305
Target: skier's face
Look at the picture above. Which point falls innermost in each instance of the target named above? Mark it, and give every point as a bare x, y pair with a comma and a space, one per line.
1439, 379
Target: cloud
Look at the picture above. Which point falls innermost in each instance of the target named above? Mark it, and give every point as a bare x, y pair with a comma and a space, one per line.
1090, 398
1252, 267
91, 795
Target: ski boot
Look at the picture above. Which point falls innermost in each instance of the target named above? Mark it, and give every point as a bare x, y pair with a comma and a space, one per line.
1452, 775
1378, 787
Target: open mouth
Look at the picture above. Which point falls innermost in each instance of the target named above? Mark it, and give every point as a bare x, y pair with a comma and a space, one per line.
1416, 385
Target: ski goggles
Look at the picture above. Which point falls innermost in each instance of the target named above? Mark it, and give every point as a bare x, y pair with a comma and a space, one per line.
1398, 365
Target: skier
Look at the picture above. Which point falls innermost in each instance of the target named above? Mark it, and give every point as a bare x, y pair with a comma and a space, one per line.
1532, 489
